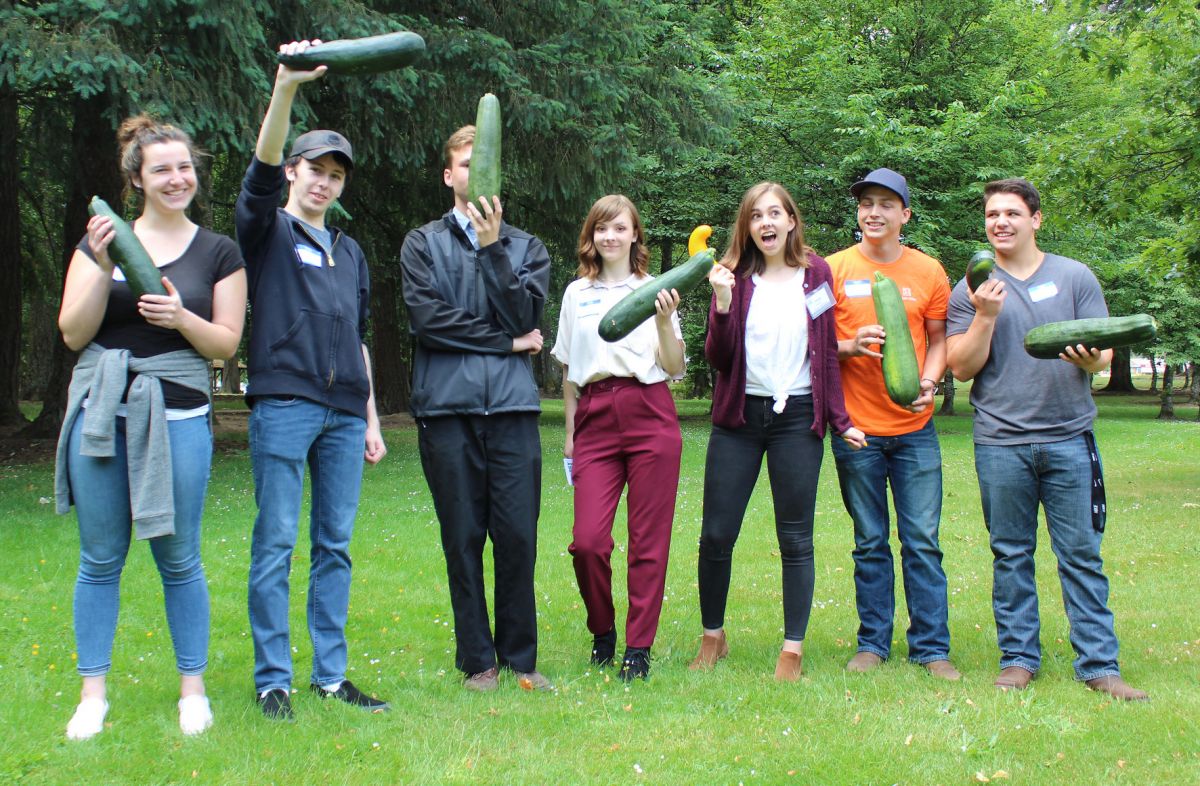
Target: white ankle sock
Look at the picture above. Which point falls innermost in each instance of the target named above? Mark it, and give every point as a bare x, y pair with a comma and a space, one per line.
88, 720
195, 714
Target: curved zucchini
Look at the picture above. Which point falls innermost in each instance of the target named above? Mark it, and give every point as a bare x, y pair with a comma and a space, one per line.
638, 306
370, 55
979, 269
1047, 341
901, 376
484, 176
129, 254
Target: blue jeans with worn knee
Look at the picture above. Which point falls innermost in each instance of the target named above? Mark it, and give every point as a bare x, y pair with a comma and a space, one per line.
285, 436
100, 488
1013, 480
912, 464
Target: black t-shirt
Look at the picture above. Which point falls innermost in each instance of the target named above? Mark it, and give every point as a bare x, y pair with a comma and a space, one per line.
209, 258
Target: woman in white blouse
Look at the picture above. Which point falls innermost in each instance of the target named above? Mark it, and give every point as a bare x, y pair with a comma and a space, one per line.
622, 429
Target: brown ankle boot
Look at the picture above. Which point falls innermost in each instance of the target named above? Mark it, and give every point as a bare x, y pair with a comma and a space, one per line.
712, 649
788, 667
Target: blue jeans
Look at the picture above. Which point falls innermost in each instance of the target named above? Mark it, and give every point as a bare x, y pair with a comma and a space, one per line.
100, 487
912, 464
1013, 479
286, 434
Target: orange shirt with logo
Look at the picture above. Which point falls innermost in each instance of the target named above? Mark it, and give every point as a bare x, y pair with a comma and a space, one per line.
925, 291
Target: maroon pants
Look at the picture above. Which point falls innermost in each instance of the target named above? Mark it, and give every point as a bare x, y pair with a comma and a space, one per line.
625, 433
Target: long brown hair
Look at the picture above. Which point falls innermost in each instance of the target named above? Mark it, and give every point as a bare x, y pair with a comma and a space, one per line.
605, 209
743, 255
132, 137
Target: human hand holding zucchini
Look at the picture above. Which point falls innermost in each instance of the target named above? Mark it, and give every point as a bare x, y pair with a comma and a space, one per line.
640, 304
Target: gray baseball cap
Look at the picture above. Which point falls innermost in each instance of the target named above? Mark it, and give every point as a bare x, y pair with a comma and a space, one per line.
892, 181
314, 144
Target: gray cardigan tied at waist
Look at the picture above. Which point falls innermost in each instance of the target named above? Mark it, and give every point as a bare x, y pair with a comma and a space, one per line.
100, 377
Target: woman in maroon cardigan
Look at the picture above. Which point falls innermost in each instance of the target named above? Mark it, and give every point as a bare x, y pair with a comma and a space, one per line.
771, 339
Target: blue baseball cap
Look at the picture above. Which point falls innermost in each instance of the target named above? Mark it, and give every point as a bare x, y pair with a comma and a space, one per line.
892, 181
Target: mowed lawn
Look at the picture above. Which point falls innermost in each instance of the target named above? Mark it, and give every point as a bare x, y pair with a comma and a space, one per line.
733, 725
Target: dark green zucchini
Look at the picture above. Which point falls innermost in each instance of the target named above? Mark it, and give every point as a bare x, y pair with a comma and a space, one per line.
484, 175
1048, 340
638, 306
356, 56
129, 254
901, 376
979, 269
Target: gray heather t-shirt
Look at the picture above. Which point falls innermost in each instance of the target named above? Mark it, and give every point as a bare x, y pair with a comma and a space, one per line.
1017, 398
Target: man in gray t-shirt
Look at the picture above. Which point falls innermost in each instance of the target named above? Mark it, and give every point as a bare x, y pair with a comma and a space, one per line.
1033, 440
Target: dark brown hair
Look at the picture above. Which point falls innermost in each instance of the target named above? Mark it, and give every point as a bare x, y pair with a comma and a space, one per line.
605, 209
1014, 185
743, 255
132, 137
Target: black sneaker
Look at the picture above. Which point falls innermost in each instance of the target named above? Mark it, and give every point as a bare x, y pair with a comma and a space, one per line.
353, 696
604, 648
636, 664
276, 704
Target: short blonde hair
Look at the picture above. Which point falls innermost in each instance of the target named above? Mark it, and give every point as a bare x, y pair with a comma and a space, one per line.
457, 141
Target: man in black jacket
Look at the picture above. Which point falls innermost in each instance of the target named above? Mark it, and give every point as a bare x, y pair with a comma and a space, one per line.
475, 287
310, 393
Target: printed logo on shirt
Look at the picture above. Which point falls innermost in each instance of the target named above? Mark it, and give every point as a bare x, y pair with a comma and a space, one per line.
309, 255
906, 293
859, 287
819, 301
1043, 291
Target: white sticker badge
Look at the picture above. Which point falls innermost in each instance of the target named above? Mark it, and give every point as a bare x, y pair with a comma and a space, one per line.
860, 287
819, 300
1043, 292
309, 255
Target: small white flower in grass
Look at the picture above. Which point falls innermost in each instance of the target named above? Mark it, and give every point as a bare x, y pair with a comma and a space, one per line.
638, 769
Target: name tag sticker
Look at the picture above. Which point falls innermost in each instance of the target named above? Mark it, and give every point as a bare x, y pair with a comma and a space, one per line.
1043, 292
309, 255
858, 288
118, 274
819, 301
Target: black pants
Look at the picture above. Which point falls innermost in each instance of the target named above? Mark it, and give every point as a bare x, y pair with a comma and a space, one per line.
794, 455
485, 474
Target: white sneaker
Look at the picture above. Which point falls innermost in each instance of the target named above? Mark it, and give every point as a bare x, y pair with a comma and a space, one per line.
88, 720
195, 714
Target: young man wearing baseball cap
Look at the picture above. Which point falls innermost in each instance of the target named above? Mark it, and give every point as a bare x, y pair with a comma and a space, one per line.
902, 446
311, 394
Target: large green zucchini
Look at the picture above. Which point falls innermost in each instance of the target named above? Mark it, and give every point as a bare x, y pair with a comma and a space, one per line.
484, 177
901, 376
129, 254
980, 268
1048, 340
638, 306
355, 56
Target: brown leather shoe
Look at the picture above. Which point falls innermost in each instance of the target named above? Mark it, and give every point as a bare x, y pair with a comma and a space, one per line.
943, 670
788, 667
1013, 678
483, 681
1118, 688
712, 649
863, 662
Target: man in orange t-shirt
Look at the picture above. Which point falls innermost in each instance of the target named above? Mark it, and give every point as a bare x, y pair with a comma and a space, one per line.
902, 446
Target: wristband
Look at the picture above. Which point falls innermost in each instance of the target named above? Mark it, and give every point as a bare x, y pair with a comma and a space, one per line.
936, 386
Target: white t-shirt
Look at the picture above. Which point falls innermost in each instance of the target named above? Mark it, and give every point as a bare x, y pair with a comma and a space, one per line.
588, 357
777, 340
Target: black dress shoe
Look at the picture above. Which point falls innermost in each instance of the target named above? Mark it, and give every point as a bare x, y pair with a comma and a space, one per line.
276, 704
636, 664
353, 696
604, 648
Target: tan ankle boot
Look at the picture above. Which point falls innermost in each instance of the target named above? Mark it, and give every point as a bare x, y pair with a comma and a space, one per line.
788, 667
712, 649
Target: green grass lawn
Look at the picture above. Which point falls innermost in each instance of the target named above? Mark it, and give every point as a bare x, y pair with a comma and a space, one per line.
733, 725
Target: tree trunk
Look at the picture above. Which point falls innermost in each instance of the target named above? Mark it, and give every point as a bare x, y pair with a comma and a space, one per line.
1194, 397
231, 377
1167, 412
10, 263
1121, 376
1153, 374
948, 392
667, 251
389, 347
93, 171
